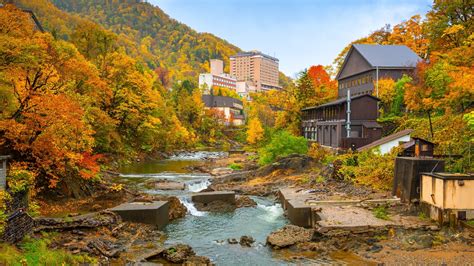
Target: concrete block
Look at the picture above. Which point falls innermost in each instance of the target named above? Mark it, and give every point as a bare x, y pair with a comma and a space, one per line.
155, 213
301, 214
206, 197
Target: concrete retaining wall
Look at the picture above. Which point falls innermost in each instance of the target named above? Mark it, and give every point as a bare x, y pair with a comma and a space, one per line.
207, 197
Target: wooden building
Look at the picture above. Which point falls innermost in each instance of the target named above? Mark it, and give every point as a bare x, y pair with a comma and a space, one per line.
366, 63
232, 109
417, 147
327, 123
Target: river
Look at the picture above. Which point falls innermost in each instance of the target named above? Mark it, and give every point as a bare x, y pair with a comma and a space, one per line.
207, 233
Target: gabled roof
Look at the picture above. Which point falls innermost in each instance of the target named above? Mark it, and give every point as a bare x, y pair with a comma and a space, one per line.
386, 139
220, 101
412, 142
340, 101
384, 56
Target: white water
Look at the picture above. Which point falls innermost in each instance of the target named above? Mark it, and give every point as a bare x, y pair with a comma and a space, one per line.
191, 208
166, 175
197, 156
272, 212
198, 186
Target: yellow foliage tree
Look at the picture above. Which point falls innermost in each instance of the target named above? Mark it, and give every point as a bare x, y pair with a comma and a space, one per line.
255, 131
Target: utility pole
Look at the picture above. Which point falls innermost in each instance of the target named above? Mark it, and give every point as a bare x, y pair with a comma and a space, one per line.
348, 120
377, 81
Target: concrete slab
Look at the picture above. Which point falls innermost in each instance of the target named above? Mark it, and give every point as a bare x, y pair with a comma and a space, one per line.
207, 197
303, 209
348, 217
155, 213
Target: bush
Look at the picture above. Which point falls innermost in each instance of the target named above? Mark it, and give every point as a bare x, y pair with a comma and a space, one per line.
381, 212
368, 168
4, 199
282, 144
235, 166
20, 178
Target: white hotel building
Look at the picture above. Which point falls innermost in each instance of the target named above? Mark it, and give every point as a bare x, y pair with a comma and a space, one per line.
217, 77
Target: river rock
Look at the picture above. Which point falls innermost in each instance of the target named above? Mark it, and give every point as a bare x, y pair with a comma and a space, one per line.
215, 206
232, 241
221, 171
178, 253
246, 241
245, 201
167, 185
197, 260
176, 208
289, 235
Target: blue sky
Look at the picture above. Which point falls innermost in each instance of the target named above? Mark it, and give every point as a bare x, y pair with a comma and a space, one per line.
300, 33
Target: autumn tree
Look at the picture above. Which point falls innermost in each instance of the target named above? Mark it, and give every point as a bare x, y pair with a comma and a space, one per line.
412, 34
255, 131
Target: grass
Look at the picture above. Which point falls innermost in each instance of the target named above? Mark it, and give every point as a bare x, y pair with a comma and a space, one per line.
320, 179
470, 222
37, 252
235, 166
381, 212
422, 216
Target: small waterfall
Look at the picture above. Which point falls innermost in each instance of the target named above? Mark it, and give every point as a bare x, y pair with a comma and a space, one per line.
272, 212
190, 206
198, 186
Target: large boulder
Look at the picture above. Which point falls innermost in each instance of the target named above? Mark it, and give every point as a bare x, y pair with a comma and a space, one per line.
245, 201
294, 162
167, 185
221, 171
289, 235
215, 206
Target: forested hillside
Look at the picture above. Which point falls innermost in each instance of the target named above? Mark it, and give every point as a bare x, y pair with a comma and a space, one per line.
145, 31
67, 102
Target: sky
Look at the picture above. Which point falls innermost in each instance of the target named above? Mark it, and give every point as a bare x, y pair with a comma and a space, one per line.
300, 33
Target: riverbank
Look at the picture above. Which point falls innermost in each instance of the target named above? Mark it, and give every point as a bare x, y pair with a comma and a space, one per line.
211, 234
416, 239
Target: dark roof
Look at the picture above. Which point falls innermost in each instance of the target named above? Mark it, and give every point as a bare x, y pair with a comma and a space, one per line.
341, 101
386, 139
220, 101
252, 53
410, 143
450, 176
385, 56
388, 55
371, 124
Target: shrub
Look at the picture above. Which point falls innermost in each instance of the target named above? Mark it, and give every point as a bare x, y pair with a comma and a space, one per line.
317, 152
235, 166
4, 199
282, 144
381, 212
20, 178
368, 168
